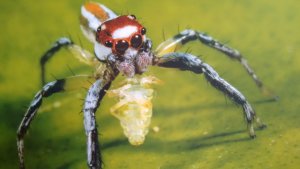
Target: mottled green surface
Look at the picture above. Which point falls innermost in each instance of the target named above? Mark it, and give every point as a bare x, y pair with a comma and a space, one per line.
199, 129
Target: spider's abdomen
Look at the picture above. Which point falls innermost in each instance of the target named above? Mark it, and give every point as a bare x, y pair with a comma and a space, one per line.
134, 109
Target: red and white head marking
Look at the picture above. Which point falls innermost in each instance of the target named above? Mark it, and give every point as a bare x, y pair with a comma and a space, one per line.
122, 36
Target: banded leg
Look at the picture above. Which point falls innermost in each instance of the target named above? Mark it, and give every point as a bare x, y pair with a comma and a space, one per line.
173, 44
189, 62
80, 53
72, 83
92, 101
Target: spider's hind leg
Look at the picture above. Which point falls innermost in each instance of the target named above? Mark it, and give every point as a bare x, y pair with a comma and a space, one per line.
61, 85
184, 61
220, 84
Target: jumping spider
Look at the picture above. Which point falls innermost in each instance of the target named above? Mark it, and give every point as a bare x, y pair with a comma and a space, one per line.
121, 47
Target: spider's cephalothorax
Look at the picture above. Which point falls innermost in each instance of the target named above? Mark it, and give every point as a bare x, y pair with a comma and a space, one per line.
123, 39
122, 36
121, 46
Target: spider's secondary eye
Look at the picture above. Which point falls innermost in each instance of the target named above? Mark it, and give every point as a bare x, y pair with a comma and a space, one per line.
108, 44
121, 46
99, 29
143, 31
132, 17
136, 41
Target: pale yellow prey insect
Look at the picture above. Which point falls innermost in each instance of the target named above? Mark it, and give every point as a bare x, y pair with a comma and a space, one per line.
121, 47
134, 110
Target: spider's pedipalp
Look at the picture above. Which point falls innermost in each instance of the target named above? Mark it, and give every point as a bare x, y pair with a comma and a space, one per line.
189, 62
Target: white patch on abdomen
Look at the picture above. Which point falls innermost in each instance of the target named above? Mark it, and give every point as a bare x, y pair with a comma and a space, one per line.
124, 32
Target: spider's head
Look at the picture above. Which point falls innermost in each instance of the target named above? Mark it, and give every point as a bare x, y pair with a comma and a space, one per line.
123, 36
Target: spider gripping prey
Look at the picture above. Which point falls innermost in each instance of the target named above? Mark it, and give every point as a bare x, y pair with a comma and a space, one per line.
121, 47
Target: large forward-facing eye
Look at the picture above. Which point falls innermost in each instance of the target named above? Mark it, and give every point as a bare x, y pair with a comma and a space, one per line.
136, 41
121, 46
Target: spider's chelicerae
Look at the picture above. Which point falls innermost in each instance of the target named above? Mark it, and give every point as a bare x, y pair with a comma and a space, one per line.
121, 47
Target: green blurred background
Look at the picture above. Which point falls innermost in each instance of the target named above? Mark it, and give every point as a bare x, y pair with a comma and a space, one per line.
199, 127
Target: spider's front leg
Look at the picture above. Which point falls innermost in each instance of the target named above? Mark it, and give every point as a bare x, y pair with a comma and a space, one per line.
184, 61
92, 101
188, 35
68, 84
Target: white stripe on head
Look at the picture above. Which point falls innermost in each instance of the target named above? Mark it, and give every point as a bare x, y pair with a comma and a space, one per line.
110, 13
94, 22
124, 32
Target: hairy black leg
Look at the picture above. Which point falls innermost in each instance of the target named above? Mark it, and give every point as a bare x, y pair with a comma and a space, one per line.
61, 85
173, 44
50, 52
215, 80
189, 62
76, 50
92, 101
